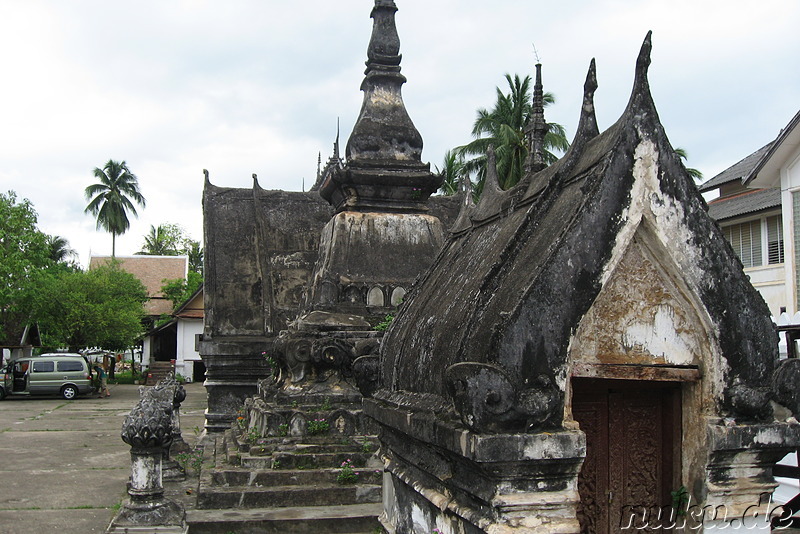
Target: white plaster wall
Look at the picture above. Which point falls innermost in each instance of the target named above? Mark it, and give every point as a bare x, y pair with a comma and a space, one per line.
146, 349
789, 182
770, 281
186, 353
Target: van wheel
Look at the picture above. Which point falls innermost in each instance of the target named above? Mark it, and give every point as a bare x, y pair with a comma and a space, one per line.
69, 392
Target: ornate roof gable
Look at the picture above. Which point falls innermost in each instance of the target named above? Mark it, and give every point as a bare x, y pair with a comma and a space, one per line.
510, 290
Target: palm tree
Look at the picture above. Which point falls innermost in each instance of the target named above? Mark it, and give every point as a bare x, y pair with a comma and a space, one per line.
112, 198
160, 241
452, 170
195, 253
695, 174
504, 128
59, 250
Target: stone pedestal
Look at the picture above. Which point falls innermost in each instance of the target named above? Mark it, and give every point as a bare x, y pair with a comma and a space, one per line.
148, 430
233, 368
739, 479
440, 475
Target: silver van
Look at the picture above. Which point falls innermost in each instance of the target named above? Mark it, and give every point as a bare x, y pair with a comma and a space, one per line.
67, 375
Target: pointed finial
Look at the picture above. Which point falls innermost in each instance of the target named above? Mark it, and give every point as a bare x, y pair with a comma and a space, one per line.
537, 127
643, 62
319, 164
255, 180
462, 221
336, 143
492, 181
587, 125
383, 52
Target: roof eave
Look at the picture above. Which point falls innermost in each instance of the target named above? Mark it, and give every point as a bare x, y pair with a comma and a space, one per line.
767, 169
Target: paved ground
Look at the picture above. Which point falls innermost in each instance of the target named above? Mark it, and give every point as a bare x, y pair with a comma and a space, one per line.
63, 466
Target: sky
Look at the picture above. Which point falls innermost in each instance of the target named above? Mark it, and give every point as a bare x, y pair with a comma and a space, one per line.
239, 87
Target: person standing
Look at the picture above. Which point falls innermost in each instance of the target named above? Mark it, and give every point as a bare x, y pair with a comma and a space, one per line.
103, 376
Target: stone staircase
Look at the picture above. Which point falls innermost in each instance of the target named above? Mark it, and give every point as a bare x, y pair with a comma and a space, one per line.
158, 371
288, 485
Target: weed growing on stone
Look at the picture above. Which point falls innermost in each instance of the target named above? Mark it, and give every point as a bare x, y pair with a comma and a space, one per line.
276, 464
317, 426
253, 435
283, 430
384, 325
193, 459
326, 405
347, 473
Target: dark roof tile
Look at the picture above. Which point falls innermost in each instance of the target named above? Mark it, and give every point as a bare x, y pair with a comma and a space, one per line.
747, 202
737, 171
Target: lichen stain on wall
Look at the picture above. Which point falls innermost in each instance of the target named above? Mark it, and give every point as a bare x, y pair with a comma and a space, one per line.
639, 317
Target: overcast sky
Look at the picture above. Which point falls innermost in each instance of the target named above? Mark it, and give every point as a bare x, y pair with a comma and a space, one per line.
255, 86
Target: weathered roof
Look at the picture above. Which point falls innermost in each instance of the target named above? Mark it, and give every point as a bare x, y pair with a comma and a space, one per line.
524, 266
738, 171
751, 201
192, 307
151, 271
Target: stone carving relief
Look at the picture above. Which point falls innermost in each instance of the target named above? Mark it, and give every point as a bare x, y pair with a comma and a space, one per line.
487, 400
784, 383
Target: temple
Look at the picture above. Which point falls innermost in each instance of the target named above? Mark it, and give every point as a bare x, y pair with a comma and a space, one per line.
567, 355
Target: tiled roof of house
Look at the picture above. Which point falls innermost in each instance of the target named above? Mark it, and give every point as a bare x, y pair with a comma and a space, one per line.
151, 271
786, 137
192, 308
750, 201
737, 171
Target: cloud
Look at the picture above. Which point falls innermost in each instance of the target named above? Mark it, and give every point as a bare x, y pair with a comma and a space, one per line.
253, 86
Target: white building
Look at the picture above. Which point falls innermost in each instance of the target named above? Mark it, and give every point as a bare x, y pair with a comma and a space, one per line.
759, 212
177, 340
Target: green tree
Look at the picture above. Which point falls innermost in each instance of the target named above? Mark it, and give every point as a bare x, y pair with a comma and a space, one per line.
195, 253
59, 249
503, 127
112, 198
24, 259
178, 290
163, 240
168, 239
696, 175
102, 307
452, 172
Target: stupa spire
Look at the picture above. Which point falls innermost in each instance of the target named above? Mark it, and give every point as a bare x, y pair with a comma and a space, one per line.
384, 169
536, 130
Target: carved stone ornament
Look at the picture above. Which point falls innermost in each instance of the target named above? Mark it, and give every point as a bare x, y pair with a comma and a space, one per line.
333, 353
148, 425
785, 382
487, 400
367, 372
748, 403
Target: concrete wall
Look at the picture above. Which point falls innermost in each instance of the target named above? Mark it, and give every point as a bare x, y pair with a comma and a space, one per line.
187, 350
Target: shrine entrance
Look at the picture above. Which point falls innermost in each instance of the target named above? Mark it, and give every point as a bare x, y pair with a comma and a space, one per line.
633, 432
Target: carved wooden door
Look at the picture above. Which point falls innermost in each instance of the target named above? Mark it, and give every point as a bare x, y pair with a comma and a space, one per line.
632, 430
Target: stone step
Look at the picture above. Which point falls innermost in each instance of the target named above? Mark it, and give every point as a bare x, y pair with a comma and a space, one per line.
298, 460
342, 519
310, 448
288, 477
320, 494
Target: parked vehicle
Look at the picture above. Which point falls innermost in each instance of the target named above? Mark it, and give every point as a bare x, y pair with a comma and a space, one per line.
64, 374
